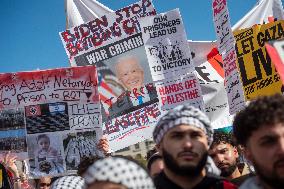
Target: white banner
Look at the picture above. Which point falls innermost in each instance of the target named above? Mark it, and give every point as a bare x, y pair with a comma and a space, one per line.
226, 46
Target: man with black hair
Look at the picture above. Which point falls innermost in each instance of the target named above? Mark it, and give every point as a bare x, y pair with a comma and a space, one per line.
183, 136
154, 162
260, 129
225, 155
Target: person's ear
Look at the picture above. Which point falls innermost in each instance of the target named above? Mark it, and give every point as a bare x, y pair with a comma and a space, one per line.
235, 151
248, 154
159, 148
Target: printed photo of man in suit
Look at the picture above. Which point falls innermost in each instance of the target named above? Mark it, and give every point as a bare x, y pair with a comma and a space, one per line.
130, 73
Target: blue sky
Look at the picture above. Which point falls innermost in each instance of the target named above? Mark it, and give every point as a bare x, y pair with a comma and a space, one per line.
29, 29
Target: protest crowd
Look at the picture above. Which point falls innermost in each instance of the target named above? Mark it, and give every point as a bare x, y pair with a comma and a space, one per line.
135, 78
188, 154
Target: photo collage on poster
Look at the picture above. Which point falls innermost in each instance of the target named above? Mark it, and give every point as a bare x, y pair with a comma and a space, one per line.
54, 126
130, 98
12, 132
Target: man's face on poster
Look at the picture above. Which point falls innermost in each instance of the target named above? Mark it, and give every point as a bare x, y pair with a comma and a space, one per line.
130, 73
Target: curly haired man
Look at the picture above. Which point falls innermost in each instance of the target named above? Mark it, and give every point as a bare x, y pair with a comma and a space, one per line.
260, 129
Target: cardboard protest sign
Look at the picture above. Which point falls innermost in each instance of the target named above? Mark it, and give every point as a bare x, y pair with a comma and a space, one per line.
180, 90
137, 93
30, 88
275, 57
117, 81
166, 45
258, 73
226, 47
108, 28
125, 82
115, 92
124, 77
48, 106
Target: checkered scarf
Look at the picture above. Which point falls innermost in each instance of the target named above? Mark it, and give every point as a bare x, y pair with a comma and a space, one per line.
68, 182
183, 114
121, 171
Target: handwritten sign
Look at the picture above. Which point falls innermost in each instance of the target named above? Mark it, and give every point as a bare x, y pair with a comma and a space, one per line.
39, 108
114, 44
226, 47
29, 88
84, 116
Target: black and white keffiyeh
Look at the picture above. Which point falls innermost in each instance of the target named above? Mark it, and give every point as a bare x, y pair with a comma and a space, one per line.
68, 182
183, 114
119, 170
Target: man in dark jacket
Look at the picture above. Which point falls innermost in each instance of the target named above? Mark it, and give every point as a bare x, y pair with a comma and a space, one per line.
259, 128
183, 137
225, 154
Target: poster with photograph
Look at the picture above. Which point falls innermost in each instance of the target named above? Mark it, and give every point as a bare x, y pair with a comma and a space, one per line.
50, 117
137, 93
113, 43
49, 105
166, 45
79, 145
13, 133
46, 155
125, 81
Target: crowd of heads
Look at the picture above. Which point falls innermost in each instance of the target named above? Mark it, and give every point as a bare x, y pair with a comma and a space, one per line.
188, 151
12, 144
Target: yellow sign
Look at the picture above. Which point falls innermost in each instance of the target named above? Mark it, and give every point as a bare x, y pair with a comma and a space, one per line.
1, 178
258, 73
